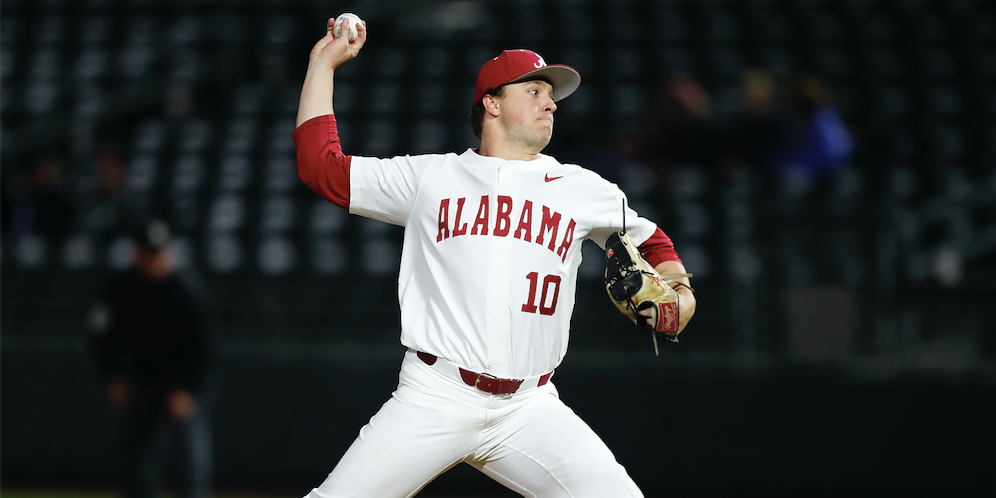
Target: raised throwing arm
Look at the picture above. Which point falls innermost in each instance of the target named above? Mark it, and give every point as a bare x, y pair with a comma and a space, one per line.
329, 53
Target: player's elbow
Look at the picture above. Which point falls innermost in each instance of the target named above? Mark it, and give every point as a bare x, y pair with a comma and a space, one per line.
326, 174
304, 173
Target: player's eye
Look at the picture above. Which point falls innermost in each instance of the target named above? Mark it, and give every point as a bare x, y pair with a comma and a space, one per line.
534, 92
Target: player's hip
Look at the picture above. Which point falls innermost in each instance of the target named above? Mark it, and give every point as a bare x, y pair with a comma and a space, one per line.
438, 377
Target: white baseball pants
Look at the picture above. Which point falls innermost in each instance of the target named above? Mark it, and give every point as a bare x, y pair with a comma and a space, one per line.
531, 442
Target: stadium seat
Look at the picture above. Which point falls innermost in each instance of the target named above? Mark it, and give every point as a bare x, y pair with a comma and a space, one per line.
240, 136
385, 98
51, 30
380, 138
142, 172
188, 174
278, 215
224, 253
428, 137
435, 62
227, 213
390, 61
235, 173
329, 256
280, 173
326, 219
195, 135
95, 29
45, 64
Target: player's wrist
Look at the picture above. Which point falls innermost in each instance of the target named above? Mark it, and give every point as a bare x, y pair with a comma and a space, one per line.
687, 299
318, 63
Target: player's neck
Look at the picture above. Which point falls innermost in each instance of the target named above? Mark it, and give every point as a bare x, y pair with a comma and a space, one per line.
504, 150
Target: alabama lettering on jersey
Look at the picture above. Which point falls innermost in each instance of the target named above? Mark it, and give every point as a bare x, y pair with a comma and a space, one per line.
491, 251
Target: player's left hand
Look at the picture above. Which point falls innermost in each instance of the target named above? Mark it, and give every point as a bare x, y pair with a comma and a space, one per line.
649, 313
686, 308
181, 405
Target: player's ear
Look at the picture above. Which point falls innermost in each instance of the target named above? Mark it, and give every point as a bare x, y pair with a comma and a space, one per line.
491, 105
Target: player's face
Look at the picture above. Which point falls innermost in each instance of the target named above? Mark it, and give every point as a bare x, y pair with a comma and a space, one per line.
527, 114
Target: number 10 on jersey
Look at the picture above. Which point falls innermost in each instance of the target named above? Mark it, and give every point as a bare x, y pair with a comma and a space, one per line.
549, 281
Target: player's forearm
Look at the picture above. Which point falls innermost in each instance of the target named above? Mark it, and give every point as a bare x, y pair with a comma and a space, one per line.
316, 93
327, 54
673, 268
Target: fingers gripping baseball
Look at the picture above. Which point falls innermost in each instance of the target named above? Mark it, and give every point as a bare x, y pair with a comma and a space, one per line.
334, 50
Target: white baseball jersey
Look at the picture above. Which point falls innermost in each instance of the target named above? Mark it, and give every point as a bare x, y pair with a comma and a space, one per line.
491, 251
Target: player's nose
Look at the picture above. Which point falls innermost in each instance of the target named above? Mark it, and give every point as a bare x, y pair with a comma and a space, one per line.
550, 106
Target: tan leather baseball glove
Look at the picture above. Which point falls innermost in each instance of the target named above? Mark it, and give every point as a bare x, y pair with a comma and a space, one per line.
633, 285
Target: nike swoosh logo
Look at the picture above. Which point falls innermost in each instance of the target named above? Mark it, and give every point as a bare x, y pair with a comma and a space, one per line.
548, 179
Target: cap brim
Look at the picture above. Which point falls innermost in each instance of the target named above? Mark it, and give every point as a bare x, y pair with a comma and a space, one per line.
565, 79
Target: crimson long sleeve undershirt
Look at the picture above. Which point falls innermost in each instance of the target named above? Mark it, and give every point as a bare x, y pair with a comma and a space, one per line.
321, 165
324, 168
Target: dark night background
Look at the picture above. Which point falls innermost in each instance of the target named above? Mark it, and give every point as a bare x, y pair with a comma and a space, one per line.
844, 338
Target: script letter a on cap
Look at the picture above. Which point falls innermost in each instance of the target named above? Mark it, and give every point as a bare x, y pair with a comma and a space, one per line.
539, 62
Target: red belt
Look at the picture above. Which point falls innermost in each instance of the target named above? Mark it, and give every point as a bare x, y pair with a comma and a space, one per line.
485, 382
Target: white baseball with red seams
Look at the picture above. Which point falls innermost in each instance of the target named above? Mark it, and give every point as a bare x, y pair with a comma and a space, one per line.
353, 21
491, 251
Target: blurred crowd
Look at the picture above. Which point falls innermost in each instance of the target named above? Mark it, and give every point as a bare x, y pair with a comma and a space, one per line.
55, 195
787, 130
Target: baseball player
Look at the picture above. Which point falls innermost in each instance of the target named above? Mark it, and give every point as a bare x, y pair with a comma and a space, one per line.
489, 265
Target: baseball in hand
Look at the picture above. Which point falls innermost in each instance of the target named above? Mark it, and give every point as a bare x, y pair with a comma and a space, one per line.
353, 21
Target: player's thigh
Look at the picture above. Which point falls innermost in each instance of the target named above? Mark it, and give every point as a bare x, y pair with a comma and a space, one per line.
546, 450
415, 436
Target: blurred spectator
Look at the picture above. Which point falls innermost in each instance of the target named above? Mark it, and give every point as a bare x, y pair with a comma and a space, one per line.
42, 208
813, 142
106, 209
676, 128
151, 345
751, 138
14, 192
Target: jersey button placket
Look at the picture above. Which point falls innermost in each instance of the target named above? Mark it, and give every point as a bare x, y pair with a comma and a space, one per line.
500, 265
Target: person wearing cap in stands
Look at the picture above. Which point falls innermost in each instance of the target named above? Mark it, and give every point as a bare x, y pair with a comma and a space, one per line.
151, 347
487, 282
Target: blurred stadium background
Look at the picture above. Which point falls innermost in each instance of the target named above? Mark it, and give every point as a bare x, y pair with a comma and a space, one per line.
844, 342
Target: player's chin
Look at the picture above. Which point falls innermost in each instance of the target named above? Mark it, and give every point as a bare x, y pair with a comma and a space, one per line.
542, 139
545, 131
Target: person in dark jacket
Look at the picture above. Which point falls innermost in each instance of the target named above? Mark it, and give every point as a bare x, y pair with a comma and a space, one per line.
151, 345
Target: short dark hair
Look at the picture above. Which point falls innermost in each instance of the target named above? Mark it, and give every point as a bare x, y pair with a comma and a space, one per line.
477, 111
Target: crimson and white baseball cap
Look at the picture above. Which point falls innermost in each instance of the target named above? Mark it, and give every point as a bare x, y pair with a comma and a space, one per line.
516, 65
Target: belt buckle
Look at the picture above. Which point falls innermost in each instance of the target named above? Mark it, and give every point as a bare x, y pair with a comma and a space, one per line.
477, 382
